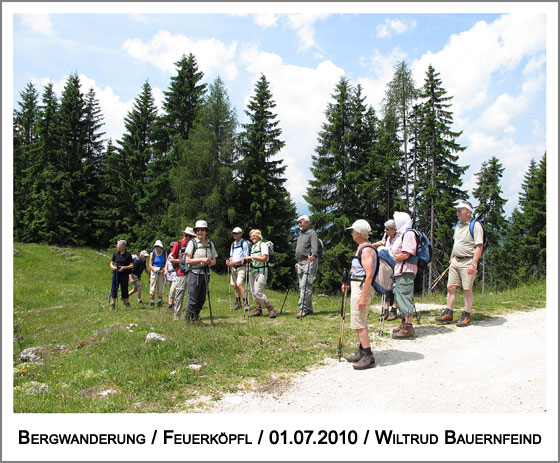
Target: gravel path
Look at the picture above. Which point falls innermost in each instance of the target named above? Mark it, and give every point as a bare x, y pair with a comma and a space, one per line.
492, 366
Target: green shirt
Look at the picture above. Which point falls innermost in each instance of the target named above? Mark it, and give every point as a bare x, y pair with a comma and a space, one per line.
260, 248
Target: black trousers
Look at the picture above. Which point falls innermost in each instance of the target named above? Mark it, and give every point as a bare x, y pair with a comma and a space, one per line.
196, 286
122, 281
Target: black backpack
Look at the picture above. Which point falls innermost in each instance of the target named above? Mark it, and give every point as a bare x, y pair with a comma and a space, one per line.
183, 266
321, 250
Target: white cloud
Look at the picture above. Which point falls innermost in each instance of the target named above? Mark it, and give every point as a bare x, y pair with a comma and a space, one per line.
39, 22
165, 49
396, 26
266, 20
301, 95
139, 18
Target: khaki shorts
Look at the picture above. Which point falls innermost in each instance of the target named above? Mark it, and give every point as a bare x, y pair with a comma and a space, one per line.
237, 275
135, 281
358, 318
458, 275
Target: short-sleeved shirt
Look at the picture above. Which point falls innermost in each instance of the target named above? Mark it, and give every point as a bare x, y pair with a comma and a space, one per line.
464, 244
260, 248
175, 252
122, 260
388, 241
239, 250
202, 250
139, 266
404, 243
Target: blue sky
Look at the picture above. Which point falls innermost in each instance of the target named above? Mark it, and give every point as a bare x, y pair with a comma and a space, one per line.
493, 64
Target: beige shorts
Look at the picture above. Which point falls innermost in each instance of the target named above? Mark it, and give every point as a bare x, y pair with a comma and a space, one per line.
237, 275
135, 281
458, 275
358, 318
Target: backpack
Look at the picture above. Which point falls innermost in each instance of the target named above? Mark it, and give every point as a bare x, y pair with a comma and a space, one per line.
321, 250
271, 262
241, 244
471, 229
183, 266
359, 256
423, 249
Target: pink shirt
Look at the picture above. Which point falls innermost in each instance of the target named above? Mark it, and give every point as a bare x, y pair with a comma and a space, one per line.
408, 245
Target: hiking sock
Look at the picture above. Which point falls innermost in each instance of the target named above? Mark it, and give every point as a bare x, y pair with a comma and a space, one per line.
367, 350
139, 301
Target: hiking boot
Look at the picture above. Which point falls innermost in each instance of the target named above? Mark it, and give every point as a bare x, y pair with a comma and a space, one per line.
257, 312
271, 312
465, 319
151, 304
303, 313
175, 318
237, 305
400, 327
111, 307
127, 305
353, 358
406, 332
141, 304
170, 307
446, 317
367, 361
159, 303
392, 315
198, 322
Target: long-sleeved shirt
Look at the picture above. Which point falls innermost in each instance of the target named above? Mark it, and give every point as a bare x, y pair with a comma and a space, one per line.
307, 244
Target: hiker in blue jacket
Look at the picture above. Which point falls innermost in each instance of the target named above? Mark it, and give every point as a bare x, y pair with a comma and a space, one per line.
158, 267
239, 249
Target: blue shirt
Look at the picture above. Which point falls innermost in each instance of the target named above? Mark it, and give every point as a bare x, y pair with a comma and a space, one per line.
239, 250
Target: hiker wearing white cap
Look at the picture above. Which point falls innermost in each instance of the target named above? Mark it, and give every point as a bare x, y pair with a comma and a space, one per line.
239, 249
307, 254
463, 264
200, 255
171, 278
158, 269
136, 274
361, 291
403, 248
180, 284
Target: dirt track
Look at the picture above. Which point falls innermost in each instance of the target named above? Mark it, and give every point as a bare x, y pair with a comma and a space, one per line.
492, 366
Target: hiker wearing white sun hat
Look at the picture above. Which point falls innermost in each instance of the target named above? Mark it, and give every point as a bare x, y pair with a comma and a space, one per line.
158, 269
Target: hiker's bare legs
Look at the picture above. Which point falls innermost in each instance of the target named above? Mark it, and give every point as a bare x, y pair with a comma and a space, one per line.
469, 298
363, 336
452, 295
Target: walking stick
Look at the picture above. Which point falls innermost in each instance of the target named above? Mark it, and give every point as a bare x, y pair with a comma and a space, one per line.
229, 287
342, 315
206, 276
438, 279
114, 283
246, 302
285, 297
382, 316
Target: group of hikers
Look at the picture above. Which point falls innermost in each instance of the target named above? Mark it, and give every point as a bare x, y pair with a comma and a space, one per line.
187, 269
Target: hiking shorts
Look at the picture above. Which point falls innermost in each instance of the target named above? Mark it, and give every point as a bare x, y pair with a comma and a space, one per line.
172, 289
237, 276
458, 275
135, 281
358, 318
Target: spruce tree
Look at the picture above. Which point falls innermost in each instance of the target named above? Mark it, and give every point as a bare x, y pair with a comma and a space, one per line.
263, 201
439, 174
490, 211
400, 96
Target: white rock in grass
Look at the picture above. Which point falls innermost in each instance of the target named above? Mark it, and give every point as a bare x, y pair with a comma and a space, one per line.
34, 388
107, 392
195, 367
33, 354
155, 337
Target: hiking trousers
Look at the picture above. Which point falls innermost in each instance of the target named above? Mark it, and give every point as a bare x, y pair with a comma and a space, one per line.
123, 283
196, 286
157, 284
180, 287
404, 293
257, 281
306, 281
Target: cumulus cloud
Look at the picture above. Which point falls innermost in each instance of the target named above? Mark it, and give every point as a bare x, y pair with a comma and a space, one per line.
165, 49
39, 22
266, 20
394, 26
301, 94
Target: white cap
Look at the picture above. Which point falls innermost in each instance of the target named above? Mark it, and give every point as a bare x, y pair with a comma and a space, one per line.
201, 224
464, 205
304, 217
158, 243
361, 226
237, 230
189, 231
144, 253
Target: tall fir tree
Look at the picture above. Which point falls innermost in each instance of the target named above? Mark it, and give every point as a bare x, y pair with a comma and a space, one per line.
490, 211
203, 181
25, 122
400, 96
262, 199
439, 176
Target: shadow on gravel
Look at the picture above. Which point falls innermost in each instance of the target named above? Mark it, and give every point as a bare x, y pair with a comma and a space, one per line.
489, 321
393, 357
430, 330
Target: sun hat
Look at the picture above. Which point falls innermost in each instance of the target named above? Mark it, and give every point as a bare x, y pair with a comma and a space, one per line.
304, 217
144, 253
158, 243
361, 226
201, 224
189, 231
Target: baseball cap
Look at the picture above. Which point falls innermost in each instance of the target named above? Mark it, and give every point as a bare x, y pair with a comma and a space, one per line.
361, 226
237, 230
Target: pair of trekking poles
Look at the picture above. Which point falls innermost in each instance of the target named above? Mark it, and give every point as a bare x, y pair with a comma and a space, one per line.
304, 291
245, 301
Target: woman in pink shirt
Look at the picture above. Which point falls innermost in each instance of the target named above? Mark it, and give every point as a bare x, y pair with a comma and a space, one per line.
405, 272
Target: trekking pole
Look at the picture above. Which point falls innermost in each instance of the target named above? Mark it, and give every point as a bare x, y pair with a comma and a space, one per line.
382, 316
286, 296
342, 315
229, 287
438, 279
305, 290
246, 301
113, 280
206, 277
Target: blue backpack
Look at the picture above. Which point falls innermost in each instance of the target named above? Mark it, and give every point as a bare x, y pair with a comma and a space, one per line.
423, 249
471, 229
